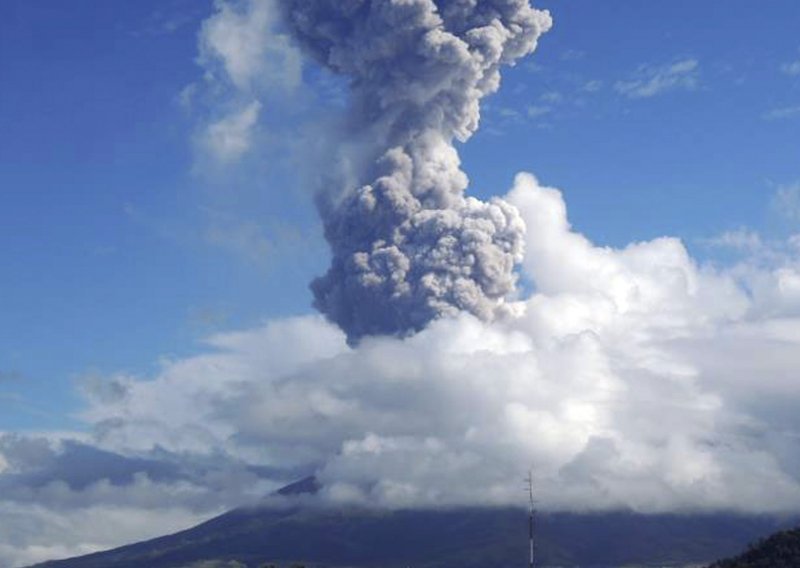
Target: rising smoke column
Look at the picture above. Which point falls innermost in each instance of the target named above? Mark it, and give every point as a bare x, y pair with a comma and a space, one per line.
408, 246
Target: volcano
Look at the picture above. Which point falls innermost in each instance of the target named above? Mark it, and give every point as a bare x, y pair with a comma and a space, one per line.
457, 537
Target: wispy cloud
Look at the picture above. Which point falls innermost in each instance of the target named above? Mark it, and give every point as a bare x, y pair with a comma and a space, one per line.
592, 86
783, 113
552, 97
169, 17
241, 43
787, 200
247, 61
229, 138
510, 114
650, 81
792, 68
572, 55
742, 240
533, 67
537, 111
547, 104
245, 238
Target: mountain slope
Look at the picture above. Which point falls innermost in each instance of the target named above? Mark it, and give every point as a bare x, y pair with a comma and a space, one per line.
781, 550
465, 538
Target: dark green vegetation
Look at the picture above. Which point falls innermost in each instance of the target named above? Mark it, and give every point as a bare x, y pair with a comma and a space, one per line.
462, 538
781, 550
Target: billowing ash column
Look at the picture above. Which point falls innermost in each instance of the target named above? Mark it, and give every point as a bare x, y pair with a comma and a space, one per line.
408, 246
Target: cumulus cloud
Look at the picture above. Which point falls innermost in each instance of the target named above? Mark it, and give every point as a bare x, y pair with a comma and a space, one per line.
630, 378
650, 81
63, 495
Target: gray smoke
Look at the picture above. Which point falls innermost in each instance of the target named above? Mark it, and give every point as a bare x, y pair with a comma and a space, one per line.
408, 245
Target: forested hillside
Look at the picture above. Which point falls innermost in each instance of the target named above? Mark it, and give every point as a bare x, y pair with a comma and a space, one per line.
781, 550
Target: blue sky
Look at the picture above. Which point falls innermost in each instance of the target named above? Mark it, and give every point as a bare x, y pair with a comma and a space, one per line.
120, 248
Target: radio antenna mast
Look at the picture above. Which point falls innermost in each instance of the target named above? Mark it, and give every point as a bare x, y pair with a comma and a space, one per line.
531, 510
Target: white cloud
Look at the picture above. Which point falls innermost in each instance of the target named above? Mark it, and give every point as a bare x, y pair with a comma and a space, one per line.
592, 86
786, 201
537, 111
553, 97
792, 68
650, 81
572, 55
548, 102
242, 42
36, 533
632, 377
740, 240
783, 113
247, 61
63, 497
230, 137
510, 114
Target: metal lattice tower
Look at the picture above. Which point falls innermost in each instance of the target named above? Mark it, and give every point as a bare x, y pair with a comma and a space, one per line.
529, 481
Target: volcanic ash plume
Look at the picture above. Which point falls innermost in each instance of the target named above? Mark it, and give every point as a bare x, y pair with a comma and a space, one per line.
408, 245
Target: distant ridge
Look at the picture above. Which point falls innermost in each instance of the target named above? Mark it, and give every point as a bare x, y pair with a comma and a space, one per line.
781, 550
